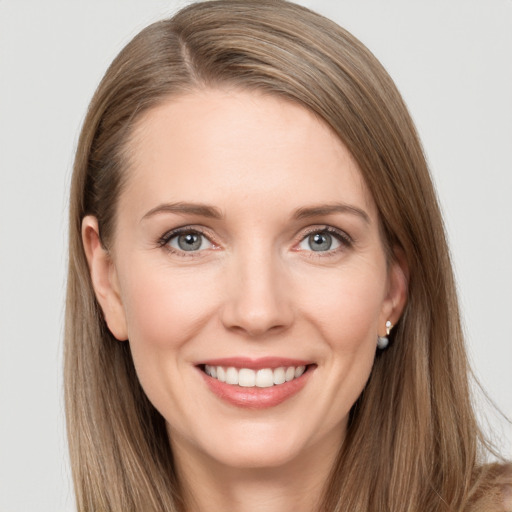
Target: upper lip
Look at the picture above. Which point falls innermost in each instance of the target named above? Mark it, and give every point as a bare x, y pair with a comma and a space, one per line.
255, 363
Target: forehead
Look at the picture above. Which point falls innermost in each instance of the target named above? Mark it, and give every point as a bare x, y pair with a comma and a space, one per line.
211, 145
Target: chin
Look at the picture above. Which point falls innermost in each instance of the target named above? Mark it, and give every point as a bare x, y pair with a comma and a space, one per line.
247, 445
257, 456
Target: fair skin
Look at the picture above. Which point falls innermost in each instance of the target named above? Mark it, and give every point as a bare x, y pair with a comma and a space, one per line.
278, 263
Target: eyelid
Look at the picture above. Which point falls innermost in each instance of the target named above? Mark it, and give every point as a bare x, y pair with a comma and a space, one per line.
164, 240
342, 236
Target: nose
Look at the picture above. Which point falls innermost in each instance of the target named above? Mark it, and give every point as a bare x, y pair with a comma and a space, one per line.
258, 300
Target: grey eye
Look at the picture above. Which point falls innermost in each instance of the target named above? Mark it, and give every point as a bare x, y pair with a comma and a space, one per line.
320, 242
189, 242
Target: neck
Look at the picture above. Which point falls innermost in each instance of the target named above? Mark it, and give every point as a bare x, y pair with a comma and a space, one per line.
295, 486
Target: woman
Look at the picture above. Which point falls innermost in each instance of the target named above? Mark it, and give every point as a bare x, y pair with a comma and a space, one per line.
258, 317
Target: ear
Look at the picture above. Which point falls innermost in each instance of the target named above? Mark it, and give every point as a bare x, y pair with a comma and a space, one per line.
104, 278
396, 298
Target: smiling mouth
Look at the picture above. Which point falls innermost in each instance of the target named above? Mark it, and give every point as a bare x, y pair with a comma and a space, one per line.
249, 378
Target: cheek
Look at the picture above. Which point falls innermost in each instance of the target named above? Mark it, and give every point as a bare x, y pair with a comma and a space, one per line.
345, 308
165, 308
346, 305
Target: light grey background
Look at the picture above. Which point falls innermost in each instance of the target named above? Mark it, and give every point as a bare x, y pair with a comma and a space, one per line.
452, 63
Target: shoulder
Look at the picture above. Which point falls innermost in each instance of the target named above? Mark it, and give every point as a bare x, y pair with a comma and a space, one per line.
491, 489
506, 493
500, 484
505, 486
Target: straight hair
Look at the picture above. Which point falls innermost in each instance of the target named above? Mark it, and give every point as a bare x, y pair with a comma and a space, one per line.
413, 442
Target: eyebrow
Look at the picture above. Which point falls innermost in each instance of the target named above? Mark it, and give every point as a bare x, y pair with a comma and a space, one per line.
203, 210
329, 209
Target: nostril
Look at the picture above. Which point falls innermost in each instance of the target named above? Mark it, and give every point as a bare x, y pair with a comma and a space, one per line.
258, 330
257, 301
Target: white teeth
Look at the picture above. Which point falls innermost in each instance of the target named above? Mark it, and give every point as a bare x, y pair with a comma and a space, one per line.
299, 371
279, 376
248, 378
221, 374
211, 371
265, 378
231, 376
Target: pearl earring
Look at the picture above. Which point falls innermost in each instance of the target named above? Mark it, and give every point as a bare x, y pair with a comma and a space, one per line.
383, 341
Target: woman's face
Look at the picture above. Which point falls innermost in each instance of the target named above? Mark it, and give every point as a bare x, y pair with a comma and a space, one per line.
247, 249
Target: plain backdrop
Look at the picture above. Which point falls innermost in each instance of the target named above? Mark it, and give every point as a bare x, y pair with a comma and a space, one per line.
450, 59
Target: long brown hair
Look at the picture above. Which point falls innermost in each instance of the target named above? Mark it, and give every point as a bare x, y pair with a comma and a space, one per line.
412, 441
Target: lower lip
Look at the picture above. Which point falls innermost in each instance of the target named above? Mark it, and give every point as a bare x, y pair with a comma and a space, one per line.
256, 398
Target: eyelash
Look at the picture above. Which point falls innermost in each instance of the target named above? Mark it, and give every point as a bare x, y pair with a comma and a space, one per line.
164, 240
342, 237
